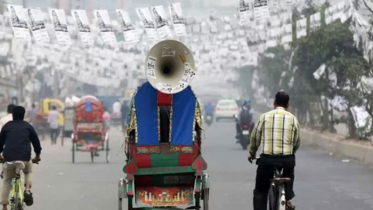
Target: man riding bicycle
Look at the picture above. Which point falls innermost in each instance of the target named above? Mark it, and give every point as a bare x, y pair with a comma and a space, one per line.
279, 133
17, 137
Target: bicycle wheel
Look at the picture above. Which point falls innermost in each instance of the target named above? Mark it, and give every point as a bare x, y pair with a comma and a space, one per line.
17, 198
281, 201
272, 198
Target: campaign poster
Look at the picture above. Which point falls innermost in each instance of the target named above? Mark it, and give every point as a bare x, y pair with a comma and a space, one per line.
82, 22
58, 19
19, 22
148, 23
125, 23
178, 19
37, 25
261, 9
106, 29
245, 8
161, 22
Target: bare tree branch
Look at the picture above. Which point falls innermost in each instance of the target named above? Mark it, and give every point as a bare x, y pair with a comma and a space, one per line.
366, 5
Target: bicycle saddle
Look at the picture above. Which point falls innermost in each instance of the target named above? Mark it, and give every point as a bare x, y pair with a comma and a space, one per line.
17, 164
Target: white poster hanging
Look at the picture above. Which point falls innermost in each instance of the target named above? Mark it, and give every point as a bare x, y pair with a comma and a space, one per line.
273, 37
245, 8
301, 28
58, 18
148, 23
287, 36
82, 22
107, 31
178, 19
161, 22
261, 9
19, 22
315, 20
361, 117
37, 25
129, 32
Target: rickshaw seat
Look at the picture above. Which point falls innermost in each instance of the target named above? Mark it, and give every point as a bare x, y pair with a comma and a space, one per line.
168, 159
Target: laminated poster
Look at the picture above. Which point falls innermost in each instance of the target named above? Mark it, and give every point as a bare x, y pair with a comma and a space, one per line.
106, 29
148, 23
19, 22
129, 31
82, 22
261, 9
37, 25
161, 22
178, 19
58, 18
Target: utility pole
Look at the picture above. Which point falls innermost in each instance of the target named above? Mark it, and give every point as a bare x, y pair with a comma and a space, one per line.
24, 3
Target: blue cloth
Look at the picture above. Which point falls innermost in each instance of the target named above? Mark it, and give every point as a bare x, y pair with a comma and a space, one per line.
183, 110
147, 115
88, 107
209, 109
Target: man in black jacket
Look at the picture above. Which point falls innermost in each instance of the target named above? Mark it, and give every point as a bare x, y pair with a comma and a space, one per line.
17, 137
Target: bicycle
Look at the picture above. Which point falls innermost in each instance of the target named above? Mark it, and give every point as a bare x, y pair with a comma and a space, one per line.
276, 193
16, 196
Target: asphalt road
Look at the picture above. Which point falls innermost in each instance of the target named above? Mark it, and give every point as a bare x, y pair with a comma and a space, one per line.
323, 182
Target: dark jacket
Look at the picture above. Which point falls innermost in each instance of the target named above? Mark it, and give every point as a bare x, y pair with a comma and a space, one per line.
17, 136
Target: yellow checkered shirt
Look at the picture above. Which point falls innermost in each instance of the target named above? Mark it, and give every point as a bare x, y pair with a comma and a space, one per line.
278, 131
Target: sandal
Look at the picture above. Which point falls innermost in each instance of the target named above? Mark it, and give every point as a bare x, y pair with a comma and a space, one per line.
289, 206
28, 199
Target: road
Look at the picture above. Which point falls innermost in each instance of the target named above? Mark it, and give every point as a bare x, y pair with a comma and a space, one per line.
323, 182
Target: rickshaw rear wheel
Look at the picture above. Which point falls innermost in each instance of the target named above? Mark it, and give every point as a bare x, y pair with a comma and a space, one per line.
206, 199
107, 151
120, 204
92, 156
73, 152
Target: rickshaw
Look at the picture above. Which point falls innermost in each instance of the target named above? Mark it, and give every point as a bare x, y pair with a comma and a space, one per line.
90, 132
164, 174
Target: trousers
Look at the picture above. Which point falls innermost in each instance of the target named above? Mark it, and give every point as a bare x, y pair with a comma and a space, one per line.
9, 171
265, 171
54, 135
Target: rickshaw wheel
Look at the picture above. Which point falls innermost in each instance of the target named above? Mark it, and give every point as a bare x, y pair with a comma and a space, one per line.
107, 151
73, 150
120, 204
206, 199
92, 156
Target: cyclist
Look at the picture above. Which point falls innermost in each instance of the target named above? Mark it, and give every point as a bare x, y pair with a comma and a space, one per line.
16, 136
279, 133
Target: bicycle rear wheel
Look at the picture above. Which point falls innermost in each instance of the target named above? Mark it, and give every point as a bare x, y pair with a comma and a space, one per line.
272, 197
17, 197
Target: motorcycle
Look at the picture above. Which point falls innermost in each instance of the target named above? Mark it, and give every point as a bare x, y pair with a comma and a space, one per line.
245, 136
208, 119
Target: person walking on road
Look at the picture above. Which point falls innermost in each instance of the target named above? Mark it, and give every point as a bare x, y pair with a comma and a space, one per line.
31, 113
279, 133
53, 117
15, 139
8, 117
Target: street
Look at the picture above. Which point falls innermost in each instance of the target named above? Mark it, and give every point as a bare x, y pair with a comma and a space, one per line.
323, 182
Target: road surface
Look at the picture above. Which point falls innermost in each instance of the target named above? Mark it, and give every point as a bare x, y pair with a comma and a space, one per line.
323, 182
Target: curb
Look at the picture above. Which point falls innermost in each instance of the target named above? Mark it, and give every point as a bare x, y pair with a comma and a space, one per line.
348, 149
